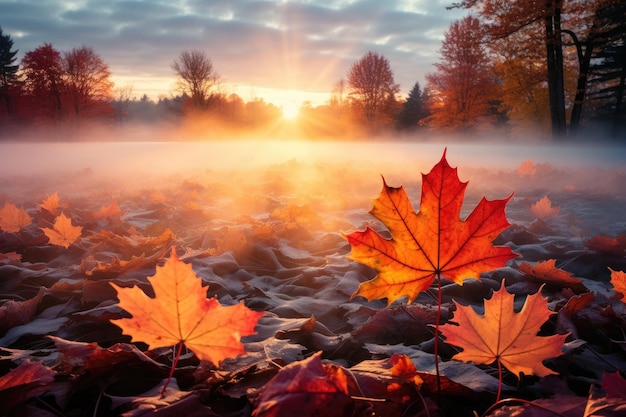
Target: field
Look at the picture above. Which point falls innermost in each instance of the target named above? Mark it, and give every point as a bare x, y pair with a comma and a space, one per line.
264, 223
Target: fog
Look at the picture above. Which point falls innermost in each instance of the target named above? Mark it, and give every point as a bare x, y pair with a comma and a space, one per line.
335, 178
341, 175
157, 158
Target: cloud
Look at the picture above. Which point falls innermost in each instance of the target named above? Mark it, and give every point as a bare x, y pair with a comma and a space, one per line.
297, 45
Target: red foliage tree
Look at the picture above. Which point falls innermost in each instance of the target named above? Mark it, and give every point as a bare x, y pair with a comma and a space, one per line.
371, 87
462, 88
44, 86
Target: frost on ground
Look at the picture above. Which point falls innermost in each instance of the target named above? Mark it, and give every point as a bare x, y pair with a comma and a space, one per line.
270, 235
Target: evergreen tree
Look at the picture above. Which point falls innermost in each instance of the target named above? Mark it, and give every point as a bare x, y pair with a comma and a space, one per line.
8, 71
413, 109
607, 82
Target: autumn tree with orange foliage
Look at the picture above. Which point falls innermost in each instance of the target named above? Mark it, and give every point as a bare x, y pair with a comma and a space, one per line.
524, 97
564, 32
463, 87
503, 19
88, 82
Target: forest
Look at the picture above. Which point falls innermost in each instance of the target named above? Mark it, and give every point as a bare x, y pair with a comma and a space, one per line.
513, 71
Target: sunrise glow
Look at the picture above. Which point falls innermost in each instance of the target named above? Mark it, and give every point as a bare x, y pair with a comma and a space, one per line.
290, 110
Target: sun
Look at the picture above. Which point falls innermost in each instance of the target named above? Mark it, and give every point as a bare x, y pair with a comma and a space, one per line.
290, 110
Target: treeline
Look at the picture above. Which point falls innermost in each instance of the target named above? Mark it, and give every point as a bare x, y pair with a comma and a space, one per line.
518, 68
552, 66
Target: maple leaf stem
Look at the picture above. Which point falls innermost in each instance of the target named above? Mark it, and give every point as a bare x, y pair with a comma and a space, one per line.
499, 362
437, 322
172, 369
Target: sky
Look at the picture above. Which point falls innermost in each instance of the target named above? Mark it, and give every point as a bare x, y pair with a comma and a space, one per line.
285, 52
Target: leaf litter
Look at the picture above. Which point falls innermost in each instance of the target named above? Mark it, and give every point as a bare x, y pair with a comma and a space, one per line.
273, 240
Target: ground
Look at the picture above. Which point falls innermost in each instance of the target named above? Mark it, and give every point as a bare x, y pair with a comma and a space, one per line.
272, 236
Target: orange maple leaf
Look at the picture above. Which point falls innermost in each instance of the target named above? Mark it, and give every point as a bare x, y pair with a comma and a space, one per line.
180, 312
501, 335
62, 232
51, 204
548, 272
544, 210
432, 242
12, 219
618, 280
112, 211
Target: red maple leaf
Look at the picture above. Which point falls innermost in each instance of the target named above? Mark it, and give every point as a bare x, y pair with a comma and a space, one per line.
431, 243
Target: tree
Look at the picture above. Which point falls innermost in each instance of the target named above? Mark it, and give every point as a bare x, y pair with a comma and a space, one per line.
121, 102
337, 99
463, 88
88, 82
504, 18
8, 71
371, 85
554, 20
197, 77
44, 84
608, 70
413, 109
521, 71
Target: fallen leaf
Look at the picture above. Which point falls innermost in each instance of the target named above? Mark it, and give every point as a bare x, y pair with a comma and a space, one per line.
429, 243
132, 245
306, 388
547, 271
607, 244
51, 204
564, 322
618, 280
180, 312
614, 385
62, 232
80, 357
504, 336
111, 211
543, 209
10, 258
12, 219
406, 323
24, 382
38, 326
15, 313
394, 379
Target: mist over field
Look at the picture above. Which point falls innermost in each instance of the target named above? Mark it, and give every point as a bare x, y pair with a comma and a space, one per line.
345, 174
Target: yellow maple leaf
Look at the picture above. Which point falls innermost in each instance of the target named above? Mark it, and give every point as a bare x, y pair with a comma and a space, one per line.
12, 219
618, 280
62, 232
180, 312
501, 335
